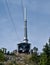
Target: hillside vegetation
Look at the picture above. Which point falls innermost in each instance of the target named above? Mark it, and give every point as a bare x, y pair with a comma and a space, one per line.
27, 59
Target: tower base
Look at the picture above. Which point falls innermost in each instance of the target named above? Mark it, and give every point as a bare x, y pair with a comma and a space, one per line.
24, 47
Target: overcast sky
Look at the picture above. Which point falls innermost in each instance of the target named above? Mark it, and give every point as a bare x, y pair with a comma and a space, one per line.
12, 22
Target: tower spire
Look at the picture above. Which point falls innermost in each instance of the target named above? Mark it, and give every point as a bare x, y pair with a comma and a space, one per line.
25, 26
25, 14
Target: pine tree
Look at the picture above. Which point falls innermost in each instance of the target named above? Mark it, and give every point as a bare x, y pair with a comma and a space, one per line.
45, 56
43, 59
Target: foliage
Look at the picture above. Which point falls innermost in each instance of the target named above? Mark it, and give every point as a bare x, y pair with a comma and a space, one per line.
35, 49
45, 56
43, 59
34, 57
2, 57
4, 50
46, 50
1, 64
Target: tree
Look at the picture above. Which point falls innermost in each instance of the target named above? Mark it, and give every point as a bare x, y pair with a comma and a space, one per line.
35, 49
8, 53
34, 56
45, 56
46, 49
49, 45
2, 57
4, 50
43, 59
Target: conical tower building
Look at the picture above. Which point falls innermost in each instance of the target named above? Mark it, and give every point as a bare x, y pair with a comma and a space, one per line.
24, 47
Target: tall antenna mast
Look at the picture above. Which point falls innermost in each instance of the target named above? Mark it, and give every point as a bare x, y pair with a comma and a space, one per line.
25, 26
25, 22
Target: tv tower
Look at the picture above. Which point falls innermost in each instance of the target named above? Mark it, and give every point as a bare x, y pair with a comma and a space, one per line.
24, 47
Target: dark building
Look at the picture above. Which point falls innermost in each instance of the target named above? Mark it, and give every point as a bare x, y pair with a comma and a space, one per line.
24, 47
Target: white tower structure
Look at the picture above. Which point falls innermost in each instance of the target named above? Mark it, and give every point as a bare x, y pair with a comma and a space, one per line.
25, 26
24, 47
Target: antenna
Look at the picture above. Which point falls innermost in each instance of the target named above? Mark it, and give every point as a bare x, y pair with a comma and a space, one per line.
25, 14
25, 26
25, 21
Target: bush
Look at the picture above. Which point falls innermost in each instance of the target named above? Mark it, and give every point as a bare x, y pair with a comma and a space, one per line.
1, 64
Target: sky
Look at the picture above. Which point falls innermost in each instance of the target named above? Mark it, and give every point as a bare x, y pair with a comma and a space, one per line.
12, 23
